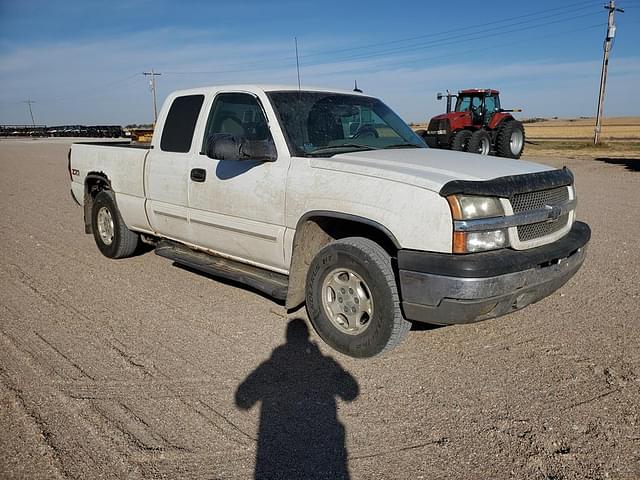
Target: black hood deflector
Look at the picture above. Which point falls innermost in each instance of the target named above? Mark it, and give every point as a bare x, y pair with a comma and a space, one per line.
511, 185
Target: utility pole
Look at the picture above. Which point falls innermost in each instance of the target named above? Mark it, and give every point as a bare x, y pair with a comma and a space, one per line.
30, 102
608, 42
153, 76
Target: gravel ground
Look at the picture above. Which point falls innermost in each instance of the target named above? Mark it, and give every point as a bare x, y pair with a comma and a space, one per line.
139, 369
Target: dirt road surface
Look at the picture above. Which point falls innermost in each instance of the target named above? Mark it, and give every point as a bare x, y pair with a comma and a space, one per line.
137, 368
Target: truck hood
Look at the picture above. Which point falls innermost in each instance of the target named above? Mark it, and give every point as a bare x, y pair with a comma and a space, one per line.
425, 167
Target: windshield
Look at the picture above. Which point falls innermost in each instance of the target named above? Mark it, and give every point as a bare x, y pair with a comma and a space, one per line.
325, 124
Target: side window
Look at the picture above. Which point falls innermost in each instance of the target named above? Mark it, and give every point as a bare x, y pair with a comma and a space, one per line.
490, 104
177, 132
463, 104
239, 114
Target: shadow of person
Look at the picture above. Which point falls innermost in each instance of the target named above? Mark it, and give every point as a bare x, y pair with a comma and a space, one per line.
300, 436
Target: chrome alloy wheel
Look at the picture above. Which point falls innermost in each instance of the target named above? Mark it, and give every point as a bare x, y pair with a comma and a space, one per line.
347, 301
516, 141
485, 146
105, 225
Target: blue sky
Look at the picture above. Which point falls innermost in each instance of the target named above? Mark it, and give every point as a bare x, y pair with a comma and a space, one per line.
82, 61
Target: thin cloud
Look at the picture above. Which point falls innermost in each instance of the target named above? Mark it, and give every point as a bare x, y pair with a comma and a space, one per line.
100, 81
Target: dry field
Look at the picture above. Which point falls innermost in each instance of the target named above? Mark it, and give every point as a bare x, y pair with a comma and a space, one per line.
615, 128
138, 369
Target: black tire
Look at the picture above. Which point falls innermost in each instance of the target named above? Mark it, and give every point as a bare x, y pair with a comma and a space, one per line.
480, 142
386, 327
123, 241
460, 140
510, 139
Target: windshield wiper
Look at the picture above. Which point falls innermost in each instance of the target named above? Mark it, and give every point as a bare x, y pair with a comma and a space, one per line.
403, 145
333, 148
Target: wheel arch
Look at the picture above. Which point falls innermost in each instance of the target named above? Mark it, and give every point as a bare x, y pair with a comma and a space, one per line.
497, 120
94, 183
317, 228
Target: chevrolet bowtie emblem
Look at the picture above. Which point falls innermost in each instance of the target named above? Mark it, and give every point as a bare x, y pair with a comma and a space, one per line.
553, 213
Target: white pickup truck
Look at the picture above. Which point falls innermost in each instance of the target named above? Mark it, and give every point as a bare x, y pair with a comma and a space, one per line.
328, 198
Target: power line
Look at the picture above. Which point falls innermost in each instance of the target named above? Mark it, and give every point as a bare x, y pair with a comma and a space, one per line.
433, 39
458, 30
496, 31
470, 36
468, 31
457, 54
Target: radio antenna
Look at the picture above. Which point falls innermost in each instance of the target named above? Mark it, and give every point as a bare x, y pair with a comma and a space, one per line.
297, 62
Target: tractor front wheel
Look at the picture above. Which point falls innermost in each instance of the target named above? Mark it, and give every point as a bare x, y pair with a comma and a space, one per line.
510, 139
480, 142
460, 140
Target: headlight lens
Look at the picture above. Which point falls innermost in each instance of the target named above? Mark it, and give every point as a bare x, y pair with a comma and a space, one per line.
470, 242
471, 207
468, 207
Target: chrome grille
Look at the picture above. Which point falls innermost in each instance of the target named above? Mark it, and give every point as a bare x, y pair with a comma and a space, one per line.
535, 200
542, 229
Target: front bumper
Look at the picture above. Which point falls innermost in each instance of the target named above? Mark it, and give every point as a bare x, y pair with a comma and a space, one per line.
449, 289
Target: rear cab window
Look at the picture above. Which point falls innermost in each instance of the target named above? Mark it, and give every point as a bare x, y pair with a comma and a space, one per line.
177, 133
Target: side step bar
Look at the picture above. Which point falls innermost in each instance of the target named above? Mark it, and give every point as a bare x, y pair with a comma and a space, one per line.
271, 283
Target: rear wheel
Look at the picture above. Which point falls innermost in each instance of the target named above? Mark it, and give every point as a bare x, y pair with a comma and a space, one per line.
510, 139
352, 298
112, 236
460, 140
480, 142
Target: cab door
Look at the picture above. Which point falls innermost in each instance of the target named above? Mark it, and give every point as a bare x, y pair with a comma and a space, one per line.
237, 207
167, 168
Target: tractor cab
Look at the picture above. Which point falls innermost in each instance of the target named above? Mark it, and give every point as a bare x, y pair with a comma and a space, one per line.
482, 104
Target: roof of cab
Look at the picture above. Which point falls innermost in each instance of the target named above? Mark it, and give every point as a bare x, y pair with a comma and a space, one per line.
260, 88
486, 91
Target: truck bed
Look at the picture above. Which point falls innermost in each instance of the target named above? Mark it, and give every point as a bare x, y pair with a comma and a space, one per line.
122, 165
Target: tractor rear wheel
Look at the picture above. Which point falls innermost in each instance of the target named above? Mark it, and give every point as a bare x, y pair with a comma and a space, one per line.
480, 142
460, 140
510, 139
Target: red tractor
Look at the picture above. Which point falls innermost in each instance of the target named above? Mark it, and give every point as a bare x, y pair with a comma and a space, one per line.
477, 124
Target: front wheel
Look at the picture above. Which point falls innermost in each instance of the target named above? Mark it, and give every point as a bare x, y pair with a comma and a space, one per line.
510, 139
352, 298
112, 236
480, 142
460, 140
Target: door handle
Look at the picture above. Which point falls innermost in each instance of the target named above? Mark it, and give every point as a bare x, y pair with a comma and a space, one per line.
198, 174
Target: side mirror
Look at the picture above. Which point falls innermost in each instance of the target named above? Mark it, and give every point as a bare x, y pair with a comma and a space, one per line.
439, 96
227, 146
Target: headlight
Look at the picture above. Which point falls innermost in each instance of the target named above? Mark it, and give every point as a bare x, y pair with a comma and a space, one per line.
467, 207
470, 207
470, 242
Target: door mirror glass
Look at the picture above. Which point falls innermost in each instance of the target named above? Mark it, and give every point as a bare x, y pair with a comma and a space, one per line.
228, 146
